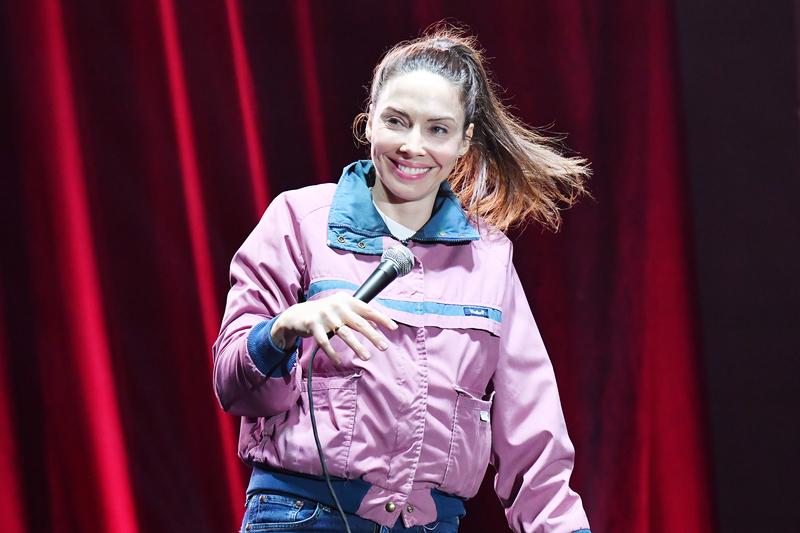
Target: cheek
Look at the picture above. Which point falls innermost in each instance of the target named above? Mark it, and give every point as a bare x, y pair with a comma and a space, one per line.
381, 142
378, 148
375, 150
448, 153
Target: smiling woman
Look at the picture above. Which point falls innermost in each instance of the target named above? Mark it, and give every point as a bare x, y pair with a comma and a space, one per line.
417, 133
422, 388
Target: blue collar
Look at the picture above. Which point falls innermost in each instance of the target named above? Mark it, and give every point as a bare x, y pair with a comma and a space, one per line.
356, 226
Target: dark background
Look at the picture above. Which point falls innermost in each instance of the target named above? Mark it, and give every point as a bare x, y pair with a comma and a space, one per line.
739, 69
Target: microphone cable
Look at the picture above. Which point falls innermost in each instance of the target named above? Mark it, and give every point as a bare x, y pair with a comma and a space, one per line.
319, 445
396, 261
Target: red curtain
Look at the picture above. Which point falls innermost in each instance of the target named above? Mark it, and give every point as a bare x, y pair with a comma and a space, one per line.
142, 141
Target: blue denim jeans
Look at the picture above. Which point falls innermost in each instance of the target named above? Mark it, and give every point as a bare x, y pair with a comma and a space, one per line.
279, 512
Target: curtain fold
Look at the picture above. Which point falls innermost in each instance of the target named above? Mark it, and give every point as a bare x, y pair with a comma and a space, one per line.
74, 265
11, 489
146, 138
195, 207
249, 108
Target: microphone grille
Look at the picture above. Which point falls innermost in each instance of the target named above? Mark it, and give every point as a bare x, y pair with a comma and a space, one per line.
401, 257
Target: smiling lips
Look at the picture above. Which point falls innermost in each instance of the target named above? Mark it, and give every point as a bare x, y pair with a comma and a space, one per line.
412, 173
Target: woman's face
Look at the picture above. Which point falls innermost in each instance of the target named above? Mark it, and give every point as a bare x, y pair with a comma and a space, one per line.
416, 132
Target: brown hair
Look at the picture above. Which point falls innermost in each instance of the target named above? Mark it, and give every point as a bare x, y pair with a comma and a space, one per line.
511, 174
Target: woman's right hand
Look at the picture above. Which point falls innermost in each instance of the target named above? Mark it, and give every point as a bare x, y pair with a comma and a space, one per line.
339, 314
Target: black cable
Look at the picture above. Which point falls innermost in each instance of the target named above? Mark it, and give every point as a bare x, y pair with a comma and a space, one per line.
319, 446
395, 261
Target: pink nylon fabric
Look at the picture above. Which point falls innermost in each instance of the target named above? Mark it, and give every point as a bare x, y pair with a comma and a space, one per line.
416, 417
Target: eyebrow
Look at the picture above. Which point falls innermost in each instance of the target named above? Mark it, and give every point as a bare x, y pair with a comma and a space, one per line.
440, 119
434, 119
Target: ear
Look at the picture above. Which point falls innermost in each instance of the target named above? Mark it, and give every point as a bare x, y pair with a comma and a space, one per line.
465, 142
368, 128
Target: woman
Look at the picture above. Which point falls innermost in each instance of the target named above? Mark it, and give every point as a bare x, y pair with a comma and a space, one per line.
445, 371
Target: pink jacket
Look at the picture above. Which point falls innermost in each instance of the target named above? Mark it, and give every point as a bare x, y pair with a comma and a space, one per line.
418, 416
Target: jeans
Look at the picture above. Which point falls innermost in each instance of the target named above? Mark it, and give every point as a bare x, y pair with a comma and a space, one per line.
279, 512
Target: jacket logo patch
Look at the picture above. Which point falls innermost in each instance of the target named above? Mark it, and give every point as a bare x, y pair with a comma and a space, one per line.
476, 311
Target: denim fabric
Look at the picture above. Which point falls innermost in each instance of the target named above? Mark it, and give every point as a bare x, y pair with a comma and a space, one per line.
278, 512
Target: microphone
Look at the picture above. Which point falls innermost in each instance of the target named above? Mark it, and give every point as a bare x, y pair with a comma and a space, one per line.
395, 261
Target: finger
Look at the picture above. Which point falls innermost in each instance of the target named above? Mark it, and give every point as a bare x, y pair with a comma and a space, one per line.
370, 313
345, 303
367, 328
346, 334
321, 337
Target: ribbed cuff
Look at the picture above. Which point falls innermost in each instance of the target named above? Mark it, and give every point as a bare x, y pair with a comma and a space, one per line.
268, 358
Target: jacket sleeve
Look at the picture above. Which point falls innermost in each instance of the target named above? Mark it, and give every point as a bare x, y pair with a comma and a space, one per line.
252, 377
531, 450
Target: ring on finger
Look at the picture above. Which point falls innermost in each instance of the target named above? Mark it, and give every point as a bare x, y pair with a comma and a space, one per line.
337, 328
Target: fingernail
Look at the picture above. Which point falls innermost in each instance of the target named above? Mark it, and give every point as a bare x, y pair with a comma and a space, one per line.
365, 355
394, 325
383, 345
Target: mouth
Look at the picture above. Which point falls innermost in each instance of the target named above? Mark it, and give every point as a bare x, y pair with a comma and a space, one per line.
410, 172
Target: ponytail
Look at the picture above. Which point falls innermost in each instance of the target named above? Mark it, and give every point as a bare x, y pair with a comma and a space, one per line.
511, 174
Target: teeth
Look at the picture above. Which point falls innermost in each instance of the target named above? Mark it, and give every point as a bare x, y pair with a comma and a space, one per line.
409, 170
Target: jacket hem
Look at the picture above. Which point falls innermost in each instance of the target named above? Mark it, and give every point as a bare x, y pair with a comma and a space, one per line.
350, 492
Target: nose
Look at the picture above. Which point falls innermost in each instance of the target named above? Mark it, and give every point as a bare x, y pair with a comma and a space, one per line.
413, 142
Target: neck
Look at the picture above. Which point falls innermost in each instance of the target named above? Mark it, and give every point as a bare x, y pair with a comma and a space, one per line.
412, 215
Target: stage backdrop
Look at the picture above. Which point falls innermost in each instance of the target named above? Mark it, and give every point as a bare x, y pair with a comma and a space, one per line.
142, 140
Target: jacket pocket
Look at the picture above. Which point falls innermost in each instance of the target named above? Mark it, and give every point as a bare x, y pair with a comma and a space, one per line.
335, 401
470, 444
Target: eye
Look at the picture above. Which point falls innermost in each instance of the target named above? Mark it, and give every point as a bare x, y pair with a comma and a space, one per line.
439, 130
393, 121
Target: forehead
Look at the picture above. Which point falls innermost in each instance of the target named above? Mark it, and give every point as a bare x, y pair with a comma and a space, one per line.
422, 92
